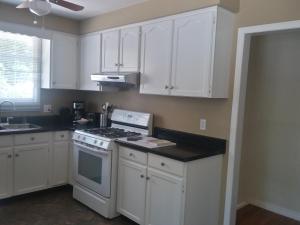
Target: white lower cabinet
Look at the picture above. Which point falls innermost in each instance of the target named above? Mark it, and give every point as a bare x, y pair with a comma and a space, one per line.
163, 191
164, 199
6, 172
131, 189
60, 164
32, 162
31, 168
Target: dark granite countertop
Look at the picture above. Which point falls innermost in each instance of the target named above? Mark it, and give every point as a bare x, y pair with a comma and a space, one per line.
189, 146
47, 124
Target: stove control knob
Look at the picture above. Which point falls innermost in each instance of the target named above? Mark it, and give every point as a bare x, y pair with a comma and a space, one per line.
78, 137
95, 142
101, 143
83, 138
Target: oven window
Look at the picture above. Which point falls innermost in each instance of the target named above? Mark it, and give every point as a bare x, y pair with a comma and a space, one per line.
90, 167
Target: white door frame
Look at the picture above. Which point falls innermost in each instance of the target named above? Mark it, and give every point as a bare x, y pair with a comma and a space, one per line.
238, 108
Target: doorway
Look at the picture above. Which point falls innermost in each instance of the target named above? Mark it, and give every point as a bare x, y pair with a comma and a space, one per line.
265, 180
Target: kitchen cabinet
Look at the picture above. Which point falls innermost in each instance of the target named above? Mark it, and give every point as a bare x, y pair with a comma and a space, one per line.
198, 58
60, 163
120, 50
156, 54
155, 190
31, 168
131, 190
90, 56
62, 73
164, 198
6, 172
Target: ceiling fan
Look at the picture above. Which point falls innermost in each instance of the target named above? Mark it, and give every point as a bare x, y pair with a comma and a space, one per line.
43, 7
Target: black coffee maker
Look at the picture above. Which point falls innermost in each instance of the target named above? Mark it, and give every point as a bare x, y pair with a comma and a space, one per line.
78, 110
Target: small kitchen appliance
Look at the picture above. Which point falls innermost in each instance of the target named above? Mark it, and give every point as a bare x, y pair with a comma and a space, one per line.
78, 110
95, 159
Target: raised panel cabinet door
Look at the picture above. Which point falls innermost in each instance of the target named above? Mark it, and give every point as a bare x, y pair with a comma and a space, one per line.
129, 49
31, 168
192, 55
89, 61
60, 163
6, 172
110, 51
64, 61
156, 57
164, 200
132, 190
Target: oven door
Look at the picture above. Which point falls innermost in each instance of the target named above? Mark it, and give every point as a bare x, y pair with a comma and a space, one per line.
93, 168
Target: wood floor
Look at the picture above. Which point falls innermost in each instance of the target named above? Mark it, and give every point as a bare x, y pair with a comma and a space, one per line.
53, 207
252, 215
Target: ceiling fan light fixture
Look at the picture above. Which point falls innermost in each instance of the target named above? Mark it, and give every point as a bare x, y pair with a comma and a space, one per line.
40, 7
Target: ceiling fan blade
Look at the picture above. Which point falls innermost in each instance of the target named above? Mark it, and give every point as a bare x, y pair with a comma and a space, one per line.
67, 4
23, 5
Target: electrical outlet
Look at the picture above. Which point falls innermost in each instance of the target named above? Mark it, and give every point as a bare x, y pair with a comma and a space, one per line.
47, 108
202, 124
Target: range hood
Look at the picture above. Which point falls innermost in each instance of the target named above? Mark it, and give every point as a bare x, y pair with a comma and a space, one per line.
116, 81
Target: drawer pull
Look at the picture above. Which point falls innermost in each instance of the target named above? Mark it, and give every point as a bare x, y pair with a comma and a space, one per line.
131, 154
32, 138
17, 155
147, 178
162, 164
9, 156
62, 136
142, 176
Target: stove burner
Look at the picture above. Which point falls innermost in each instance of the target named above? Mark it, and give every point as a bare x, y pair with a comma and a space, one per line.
111, 132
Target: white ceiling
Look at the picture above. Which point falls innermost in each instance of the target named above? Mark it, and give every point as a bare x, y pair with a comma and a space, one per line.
92, 7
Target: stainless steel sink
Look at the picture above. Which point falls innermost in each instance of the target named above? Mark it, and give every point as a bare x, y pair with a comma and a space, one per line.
18, 127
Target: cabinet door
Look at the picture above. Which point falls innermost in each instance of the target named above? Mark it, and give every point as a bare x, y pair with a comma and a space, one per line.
6, 172
156, 52
31, 168
60, 163
129, 49
192, 56
89, 61
164, 201
132, 190
64, 61
110, 51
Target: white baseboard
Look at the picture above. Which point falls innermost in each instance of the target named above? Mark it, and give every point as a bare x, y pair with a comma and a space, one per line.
277, 209
241, 205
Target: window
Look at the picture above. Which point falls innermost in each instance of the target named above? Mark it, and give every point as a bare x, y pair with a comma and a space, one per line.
20, 70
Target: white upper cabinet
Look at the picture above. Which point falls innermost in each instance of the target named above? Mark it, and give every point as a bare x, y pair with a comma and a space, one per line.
90, 47
129, 49
120, 50
193, 41
156, 52
62, 70
110, 51
200, 55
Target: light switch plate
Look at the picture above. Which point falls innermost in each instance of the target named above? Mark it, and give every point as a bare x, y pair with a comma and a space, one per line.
47, 108
202, 124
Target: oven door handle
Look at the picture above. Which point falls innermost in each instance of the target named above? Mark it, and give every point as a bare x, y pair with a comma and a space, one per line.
102, 152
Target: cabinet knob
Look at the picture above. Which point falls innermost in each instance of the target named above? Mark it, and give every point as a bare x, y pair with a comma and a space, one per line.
116, 64
131, 154
121, 64
147, 178
17, 155
32, 138
166, 87
172, 87
62, 136
162, 164
9, 156
53, 82
142, 176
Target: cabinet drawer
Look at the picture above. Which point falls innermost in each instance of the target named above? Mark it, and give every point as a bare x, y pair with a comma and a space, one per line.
6, 141
133, 155
61, 136
34, 138
166, 164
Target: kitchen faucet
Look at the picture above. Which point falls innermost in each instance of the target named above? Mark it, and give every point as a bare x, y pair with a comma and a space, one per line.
12, 109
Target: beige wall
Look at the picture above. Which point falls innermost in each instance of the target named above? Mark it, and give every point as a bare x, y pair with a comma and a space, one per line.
270, 159
10, 14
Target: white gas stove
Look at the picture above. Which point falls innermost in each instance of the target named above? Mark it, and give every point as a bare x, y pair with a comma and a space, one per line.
95, 159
